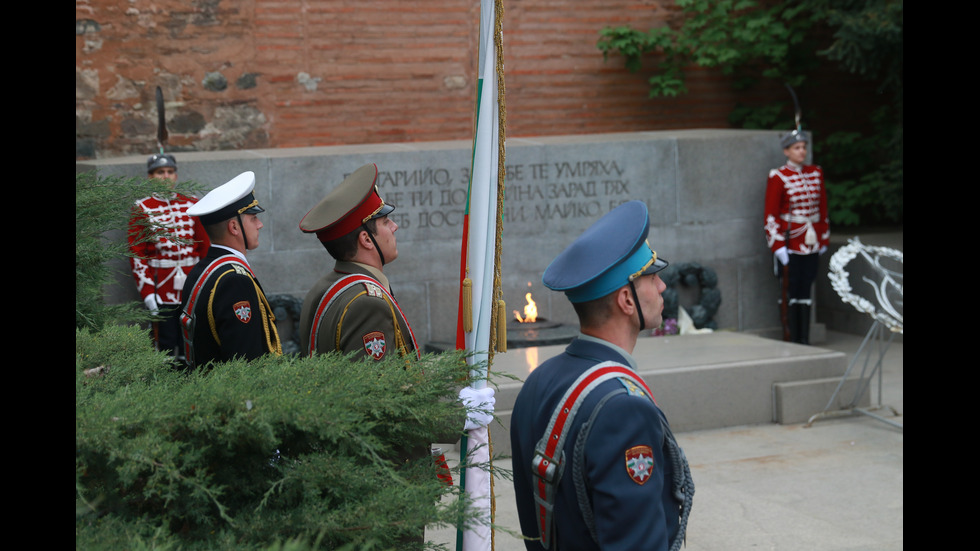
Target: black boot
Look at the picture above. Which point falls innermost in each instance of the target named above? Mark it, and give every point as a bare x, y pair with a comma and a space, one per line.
793, 313
804, 324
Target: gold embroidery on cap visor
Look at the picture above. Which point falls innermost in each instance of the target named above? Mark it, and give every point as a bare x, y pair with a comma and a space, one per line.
653, 258
254, 203
376, 211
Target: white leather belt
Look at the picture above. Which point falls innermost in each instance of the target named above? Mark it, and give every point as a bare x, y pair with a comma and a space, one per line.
165, 263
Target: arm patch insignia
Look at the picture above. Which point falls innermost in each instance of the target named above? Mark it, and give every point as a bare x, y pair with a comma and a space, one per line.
639, 463
243, 311
375, 345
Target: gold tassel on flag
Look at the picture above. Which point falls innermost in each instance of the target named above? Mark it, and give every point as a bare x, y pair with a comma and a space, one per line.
501, 326
467, 303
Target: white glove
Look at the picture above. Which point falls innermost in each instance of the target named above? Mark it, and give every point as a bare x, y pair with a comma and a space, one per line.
782, 255
151, 304
479, 406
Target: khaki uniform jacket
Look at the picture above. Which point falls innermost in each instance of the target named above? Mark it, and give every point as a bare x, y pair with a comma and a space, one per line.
363, 317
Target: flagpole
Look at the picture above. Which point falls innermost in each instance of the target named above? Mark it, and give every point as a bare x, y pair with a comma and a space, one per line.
479, 268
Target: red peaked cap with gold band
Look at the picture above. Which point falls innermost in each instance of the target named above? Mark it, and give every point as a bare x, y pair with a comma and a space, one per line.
347, 207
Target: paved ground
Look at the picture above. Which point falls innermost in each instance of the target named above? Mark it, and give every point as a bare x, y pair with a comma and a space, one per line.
834, 486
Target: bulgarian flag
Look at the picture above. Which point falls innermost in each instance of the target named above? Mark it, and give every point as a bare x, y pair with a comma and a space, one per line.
478, 272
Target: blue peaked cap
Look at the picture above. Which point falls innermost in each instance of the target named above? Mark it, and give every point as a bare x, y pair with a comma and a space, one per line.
610, 254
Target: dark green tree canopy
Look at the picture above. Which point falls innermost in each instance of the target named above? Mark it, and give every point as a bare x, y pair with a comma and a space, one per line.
785, 42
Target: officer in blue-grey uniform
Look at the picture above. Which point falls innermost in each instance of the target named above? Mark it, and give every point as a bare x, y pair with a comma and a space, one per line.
602, 472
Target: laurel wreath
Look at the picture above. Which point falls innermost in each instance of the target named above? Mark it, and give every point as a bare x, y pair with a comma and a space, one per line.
692, 275
889, 282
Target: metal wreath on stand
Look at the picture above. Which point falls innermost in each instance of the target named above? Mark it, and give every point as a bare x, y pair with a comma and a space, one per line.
887, 290
881, 279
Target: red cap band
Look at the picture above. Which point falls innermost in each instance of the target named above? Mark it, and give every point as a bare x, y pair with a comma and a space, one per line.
353, 219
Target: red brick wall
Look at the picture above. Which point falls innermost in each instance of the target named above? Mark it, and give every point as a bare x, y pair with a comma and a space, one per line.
328, 72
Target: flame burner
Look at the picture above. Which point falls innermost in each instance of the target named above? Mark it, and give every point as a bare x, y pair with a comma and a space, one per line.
541, 332
530, 330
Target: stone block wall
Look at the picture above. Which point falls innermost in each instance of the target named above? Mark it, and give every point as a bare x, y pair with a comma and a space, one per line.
704, 188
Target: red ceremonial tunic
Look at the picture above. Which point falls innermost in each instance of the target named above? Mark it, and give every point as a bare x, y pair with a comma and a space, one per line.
796, 201
158, 264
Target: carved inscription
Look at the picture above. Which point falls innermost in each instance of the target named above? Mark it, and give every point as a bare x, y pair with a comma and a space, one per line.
433, 199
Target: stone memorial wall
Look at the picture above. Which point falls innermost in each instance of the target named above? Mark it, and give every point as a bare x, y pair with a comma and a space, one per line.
704, 188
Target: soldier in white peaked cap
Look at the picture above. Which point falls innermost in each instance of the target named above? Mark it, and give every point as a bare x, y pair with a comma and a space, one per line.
225, 313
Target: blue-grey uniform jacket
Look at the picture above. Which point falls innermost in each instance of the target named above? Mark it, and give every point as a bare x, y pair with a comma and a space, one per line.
631, 509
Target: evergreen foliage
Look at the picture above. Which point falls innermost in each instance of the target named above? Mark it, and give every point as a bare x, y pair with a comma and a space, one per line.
281, 452
756, 41
740, 37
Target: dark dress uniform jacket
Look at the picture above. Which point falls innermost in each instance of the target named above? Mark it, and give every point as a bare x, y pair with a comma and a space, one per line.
243, 323
629, 515
360, 319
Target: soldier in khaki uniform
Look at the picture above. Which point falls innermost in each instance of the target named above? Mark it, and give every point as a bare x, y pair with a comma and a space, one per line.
352, 308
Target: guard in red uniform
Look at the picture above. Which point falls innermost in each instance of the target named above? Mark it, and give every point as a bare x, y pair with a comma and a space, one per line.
797, 228
161, 265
